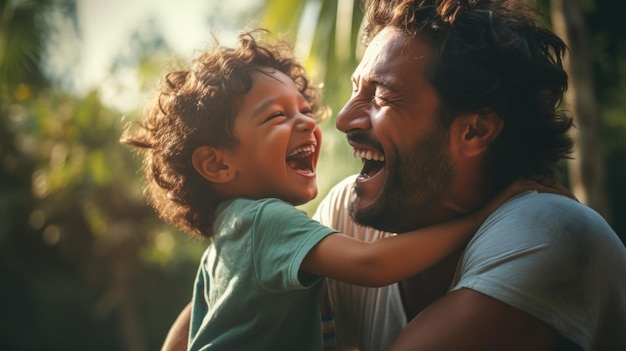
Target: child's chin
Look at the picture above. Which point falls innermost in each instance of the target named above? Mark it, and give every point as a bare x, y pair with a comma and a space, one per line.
301, 200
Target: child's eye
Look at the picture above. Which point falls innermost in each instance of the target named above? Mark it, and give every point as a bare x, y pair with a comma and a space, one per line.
308, 112
275, 115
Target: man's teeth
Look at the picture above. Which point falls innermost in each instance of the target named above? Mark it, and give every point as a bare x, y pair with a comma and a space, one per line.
368, 155
303, 149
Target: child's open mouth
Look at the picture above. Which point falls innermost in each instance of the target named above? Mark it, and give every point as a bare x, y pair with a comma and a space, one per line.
302, 159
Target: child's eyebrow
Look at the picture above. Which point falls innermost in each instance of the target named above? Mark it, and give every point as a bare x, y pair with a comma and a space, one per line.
264, 105
275, 101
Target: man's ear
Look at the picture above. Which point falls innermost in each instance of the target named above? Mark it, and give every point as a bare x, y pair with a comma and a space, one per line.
477, 131
211, 163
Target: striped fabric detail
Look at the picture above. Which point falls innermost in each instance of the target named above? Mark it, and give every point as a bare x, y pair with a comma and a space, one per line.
328, 320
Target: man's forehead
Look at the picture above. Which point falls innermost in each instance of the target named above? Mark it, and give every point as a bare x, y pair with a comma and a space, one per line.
391, 55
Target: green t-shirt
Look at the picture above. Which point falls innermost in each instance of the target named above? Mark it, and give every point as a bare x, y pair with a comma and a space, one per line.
249, 294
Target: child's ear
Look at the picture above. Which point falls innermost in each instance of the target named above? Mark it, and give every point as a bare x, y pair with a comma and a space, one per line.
477, 131
212, 165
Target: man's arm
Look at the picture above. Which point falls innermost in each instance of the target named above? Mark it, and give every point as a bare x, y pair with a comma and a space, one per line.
468, 320
177, 337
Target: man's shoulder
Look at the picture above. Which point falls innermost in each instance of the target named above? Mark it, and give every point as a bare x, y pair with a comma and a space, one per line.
546, 218
547, 205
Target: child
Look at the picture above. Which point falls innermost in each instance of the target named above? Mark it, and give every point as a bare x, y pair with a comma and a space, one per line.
231, 146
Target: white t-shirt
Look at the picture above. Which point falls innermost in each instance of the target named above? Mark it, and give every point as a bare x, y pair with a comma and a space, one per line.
549, 256
366, 319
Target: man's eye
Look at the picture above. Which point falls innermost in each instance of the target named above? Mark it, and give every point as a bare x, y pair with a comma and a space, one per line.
379, 100
355, 86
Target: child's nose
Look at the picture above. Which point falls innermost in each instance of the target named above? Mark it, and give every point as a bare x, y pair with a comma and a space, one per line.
305, 123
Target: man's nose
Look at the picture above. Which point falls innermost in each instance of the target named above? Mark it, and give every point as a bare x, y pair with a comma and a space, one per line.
353, 116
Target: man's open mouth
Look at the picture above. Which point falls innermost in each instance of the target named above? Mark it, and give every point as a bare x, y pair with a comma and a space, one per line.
373, 161
302, 158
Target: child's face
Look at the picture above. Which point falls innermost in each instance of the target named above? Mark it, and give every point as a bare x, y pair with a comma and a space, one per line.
279, 142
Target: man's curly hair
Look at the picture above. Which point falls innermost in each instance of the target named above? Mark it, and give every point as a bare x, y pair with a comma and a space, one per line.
196, 107
492, 56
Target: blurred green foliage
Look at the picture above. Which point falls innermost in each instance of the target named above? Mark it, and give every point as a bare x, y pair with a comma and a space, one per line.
85, 263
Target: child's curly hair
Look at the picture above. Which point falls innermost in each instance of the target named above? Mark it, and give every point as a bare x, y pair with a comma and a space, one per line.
196, 107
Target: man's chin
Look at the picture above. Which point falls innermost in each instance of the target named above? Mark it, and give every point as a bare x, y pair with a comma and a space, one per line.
363, 205
368, 213
381, 215
372, 205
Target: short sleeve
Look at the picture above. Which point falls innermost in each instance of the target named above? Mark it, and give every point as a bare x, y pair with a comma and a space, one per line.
282, 236
540, 254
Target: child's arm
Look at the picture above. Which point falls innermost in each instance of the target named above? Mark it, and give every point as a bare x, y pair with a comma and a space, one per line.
392, 259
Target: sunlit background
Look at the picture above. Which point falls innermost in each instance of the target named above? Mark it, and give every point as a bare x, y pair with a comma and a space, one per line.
103, 46
85, 264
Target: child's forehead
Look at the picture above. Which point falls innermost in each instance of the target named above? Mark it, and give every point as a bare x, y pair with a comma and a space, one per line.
271, 73
273, 79
270, 88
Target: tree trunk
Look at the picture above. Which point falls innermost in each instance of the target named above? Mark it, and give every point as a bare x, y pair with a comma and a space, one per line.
587, 168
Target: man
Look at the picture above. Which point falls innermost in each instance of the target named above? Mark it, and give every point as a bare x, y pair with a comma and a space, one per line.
458, 98
451, 102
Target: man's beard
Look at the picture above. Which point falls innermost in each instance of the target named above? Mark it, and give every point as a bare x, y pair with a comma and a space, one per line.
414, 185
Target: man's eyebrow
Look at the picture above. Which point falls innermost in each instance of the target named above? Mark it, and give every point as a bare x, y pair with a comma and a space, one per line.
387, 84
374, 80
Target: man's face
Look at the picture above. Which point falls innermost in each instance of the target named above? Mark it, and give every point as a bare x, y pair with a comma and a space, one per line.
391, 122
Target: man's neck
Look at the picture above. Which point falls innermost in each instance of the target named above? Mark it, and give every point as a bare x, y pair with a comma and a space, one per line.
422, 289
